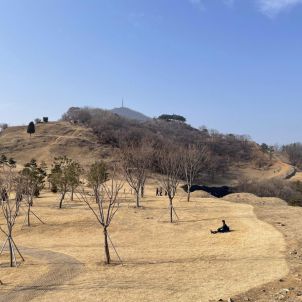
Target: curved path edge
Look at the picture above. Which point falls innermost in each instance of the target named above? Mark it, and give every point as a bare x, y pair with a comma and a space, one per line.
62, 268
267, 289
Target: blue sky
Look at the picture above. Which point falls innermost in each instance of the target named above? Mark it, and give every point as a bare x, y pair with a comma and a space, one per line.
232, 65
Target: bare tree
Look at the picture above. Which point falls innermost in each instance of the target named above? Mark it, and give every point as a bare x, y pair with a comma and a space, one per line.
193, 159
10, 209
25, 195
106, 208
170, 167
135, 161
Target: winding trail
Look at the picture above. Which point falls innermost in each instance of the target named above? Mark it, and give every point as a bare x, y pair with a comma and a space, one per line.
62, 268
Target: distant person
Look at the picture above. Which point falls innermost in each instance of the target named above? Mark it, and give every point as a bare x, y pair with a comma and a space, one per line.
160, 191
157, 192
224, 229
4, 195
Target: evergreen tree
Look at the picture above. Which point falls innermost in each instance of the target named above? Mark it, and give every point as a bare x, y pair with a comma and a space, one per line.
31, 128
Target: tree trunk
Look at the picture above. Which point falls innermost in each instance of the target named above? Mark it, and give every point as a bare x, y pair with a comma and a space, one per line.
96, 194
61, 201
10, 251
171, 210
188, 196
106, 247
137, 199
72, 190
28, 215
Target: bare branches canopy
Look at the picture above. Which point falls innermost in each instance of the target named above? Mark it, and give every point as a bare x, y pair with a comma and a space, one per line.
107, 202
135, 162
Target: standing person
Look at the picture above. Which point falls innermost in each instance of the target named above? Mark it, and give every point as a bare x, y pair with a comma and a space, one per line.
157, 192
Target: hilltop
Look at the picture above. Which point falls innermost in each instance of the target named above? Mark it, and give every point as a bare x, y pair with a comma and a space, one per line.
130, 114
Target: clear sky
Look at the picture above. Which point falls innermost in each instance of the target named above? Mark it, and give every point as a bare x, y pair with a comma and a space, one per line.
235, 66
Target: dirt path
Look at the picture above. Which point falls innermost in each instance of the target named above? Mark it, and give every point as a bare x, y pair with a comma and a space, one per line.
287, 220
62, 268
58, 138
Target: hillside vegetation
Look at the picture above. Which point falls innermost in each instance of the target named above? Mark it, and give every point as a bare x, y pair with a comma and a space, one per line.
86, 135
229, 156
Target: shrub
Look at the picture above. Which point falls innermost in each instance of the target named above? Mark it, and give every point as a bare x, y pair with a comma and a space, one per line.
291, 192
172, 117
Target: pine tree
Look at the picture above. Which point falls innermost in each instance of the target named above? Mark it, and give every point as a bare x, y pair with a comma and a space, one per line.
31, 128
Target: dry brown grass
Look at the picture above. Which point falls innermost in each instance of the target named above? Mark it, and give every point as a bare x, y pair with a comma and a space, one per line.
297, 177
162, 261
252, 199
50, 140
278, 169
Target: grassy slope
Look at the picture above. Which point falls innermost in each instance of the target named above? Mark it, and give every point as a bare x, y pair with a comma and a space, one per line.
50, 140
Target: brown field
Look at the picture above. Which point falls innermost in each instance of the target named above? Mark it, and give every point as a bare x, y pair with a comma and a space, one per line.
161, 261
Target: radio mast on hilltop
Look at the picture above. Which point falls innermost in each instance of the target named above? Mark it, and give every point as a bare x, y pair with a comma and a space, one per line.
122, 102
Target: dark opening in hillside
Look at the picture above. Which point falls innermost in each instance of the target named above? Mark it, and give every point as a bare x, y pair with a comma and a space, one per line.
215, 191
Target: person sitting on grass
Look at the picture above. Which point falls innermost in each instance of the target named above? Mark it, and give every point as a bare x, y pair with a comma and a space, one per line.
224, 229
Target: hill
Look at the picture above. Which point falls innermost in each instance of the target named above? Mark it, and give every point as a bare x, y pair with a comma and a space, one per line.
87, 135
130, 114
51, 140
